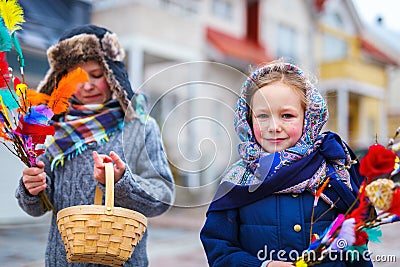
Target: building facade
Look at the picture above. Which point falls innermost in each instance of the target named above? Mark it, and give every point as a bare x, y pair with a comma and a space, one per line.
165, 39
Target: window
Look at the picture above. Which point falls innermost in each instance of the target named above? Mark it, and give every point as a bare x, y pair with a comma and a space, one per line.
333, 48
334, 20
222, 9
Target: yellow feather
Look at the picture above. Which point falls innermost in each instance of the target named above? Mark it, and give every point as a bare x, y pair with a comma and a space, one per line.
12, 13
4, 108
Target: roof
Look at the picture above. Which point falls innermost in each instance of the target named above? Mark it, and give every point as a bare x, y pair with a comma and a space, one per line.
377, 53
238, 48
387, 40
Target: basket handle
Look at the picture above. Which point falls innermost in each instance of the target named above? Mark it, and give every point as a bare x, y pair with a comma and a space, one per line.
109, 188
98, 196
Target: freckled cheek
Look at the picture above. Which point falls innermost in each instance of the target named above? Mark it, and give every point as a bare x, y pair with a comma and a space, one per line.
295, 132
257, 131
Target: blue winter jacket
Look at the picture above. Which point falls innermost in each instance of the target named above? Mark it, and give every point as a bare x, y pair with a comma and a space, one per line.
249, 235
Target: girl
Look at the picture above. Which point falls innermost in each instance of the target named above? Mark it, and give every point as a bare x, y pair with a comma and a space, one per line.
262, 212
93, 131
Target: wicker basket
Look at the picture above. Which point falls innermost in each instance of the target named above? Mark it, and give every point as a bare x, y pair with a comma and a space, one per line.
101, 234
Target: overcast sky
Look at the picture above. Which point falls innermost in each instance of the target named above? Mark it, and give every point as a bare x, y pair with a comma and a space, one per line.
369, 10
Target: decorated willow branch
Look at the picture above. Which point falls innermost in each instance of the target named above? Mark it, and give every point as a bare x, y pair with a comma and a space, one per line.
377, 203
25, 115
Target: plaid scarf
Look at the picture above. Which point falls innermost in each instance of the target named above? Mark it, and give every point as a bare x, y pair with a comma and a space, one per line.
83, 126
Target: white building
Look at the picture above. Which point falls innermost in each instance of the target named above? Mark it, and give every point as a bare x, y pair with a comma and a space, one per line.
191, 58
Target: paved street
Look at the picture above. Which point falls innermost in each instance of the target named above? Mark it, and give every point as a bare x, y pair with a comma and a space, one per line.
173, 242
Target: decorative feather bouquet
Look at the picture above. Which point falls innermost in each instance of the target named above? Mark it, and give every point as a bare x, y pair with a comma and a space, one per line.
378, 203
25, 114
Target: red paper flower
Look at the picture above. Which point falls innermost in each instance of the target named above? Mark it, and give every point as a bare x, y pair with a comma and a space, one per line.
377, 161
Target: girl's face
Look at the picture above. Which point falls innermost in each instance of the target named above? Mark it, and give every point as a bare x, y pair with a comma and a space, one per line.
96, 90
277, 116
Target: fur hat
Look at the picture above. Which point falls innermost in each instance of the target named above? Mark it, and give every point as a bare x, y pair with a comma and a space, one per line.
86, 43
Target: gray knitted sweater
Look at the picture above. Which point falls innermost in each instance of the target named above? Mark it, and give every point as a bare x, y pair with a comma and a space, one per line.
146, 187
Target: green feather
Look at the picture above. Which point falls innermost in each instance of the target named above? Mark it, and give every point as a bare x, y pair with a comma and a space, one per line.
5, 40
374, 234
9, 99
18, 49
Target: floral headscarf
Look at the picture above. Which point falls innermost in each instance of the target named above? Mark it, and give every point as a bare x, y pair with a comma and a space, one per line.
315, 117
303, 166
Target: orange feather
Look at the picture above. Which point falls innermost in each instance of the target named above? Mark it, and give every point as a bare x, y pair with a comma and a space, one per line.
321, 189
58, 102
35, 98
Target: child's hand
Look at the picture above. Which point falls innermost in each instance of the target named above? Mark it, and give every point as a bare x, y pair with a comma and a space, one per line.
280, 264
99, 170
34, 178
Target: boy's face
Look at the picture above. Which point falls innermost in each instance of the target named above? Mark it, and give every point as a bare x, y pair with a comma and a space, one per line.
278, 117
96, 90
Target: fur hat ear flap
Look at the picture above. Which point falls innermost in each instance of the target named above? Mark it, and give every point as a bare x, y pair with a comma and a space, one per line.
111, 47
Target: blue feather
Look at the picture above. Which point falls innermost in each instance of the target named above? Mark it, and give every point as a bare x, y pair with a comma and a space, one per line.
40, 114
18, 49
374, 234
9, 99
5, 39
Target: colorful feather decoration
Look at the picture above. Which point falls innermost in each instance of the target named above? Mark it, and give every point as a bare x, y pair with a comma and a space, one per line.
377, 203
4, 110
10, 99
35, 98
5, 75
320, 190
332, 228
396, 167
12, 13
5, 39
26, 139
346, 236
66, 88
18, 49
39, 114
374, 234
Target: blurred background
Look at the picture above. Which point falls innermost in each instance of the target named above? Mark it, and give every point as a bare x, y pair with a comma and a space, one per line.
190, 58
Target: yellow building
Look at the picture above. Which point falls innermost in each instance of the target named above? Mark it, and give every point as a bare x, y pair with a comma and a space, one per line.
353, 73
